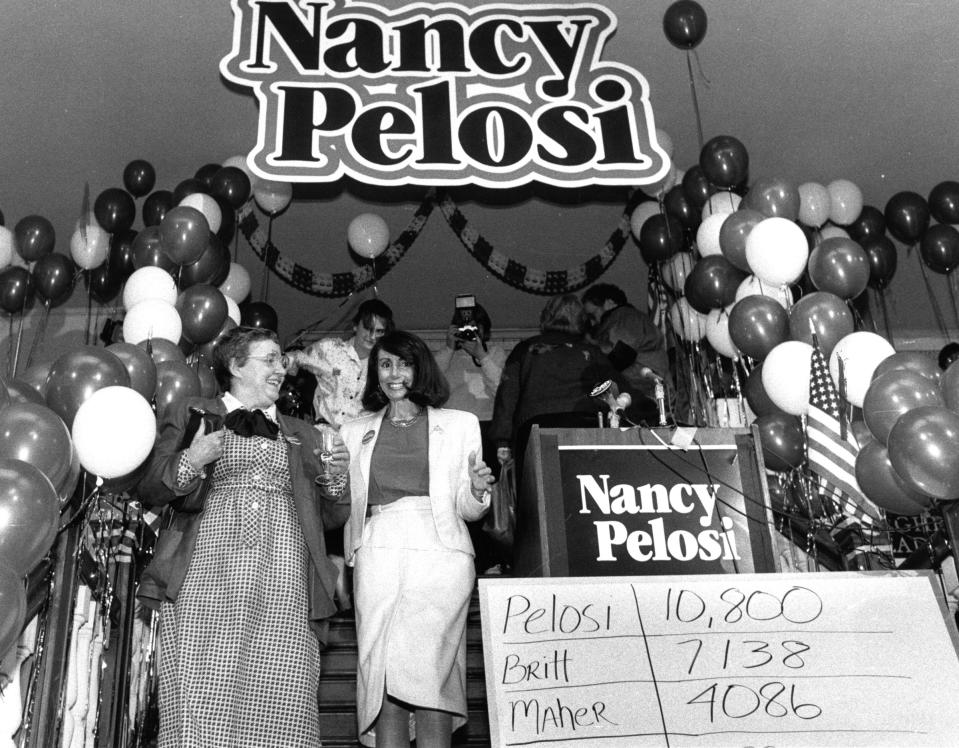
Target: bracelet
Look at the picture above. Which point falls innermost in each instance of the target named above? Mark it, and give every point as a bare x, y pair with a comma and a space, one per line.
338, 485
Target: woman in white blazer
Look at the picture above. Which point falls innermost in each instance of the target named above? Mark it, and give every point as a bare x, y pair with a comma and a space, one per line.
415, 478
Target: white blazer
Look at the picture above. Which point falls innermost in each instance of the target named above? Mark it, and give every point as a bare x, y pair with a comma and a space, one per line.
453, 435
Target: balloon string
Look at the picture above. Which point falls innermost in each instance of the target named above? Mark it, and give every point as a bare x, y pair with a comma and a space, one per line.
10, 344
951, 282
885, 316
692, 88
86, 339
41, 330
265, 278
932, 298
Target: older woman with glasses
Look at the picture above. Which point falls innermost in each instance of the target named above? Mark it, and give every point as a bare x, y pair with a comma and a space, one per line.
242, 573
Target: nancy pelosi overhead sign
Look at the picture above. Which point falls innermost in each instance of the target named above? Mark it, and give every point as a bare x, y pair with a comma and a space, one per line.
442, 94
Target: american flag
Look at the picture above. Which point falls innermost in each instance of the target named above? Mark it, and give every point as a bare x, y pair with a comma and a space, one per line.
832, 449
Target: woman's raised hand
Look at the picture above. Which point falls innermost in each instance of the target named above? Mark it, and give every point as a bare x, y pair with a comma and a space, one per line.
481, 476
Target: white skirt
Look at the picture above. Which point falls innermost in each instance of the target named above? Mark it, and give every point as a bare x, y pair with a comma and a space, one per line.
412, 596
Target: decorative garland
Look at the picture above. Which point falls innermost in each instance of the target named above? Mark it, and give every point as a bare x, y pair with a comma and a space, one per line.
533, 280
517, 275
332, 285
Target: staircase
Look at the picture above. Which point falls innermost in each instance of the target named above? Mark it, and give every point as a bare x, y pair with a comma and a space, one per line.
337, 692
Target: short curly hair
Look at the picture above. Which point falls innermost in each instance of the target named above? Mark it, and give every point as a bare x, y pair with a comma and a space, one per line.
235, 346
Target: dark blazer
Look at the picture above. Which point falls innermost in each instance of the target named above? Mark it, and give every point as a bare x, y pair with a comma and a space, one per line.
316, 511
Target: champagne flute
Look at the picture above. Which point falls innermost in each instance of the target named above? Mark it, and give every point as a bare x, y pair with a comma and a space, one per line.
327, 435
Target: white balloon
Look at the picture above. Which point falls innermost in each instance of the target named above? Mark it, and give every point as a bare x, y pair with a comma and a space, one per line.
152, 318
777, 251
208, 206
722, 203
814, 204
6, 246
113, 431
272, 197
753, 286
675, 270
845, 201
149, 282
786, 376
687, 323
89, 246
707, 235
665, 142
642, 213
860, 353
717, 333
237, 283
664, 184
232, 309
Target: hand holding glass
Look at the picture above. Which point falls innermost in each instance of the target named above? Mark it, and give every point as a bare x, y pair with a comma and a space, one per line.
327, 436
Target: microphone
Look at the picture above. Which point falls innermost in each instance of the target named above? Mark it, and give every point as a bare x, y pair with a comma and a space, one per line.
608, 392
647, 373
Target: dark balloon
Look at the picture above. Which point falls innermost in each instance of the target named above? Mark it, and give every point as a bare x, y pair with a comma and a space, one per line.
915, 361
30, 508
949, 386
883, 260
231, 184
121, 253
757, 324
939, 248
773, 197
184, 234
944, 202
733, 234
53, 275
23, 392
139, 176
205, 350
103, 283
681, 208
894, 393
79, 373
212, 267
176, 381
188, 187
227, 229
823, 313
924, 451
724, 161
660, 238
156, 206
208, 385
878, 480
16, 289
907, 216
783, 443
684, 23
696, 187
756, 394
259, 314
148, 250
115, 210
870, 223
140, 367
34, 237
161, 349
35, 434
202, 309
712, 283
205, 174
840, 266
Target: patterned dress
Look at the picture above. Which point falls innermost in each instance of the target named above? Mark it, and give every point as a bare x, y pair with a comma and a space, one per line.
239, 665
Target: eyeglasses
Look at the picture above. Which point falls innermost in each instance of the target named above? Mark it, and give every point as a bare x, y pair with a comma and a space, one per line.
273, 359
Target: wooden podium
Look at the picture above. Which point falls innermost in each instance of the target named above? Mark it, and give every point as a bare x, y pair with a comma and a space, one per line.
604, 502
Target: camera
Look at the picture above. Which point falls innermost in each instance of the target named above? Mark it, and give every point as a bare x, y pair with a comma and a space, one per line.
464, 317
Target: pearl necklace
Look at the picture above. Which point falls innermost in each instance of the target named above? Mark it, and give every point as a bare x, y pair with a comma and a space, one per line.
405, 423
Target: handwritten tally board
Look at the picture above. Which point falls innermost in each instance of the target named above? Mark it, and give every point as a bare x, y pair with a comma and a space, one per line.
851, 659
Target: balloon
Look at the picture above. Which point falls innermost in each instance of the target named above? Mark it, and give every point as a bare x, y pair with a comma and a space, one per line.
717, 333
228, 224
786, 376
77, 374
114, 432
949, 386
29, 510
258, 314
681, 208
369, 235
232, 184
708, 235
924, 451
916, 361
776, 251
939, 248
202, 310
894, 393
208, 206
139, 177
155, 207
160, 350
712, 283
176, 381
213, 267
687, 323
675, 270
53, 277
660, 238
7, 249
845, 200
823, 313
861, 352
870, 223
35, 434
881, 253
773, 196
148, 251
814, 204
240, 162
642, 213
36, 376
139, 365
782, 440
13, 609
34, 237
666, 182
208, 385
232, 310
24, 392
89, 246
684, 23
206, 173
204, 351
696, 187
149, 283
152, 318
735, 229
944, 202
187, 187
16, 289
237, 283
121, 254
115, 210
757, 324
724, 161
721, 203
907, 216
184, 234
756, 395
840, 266
882, 486
273, 197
